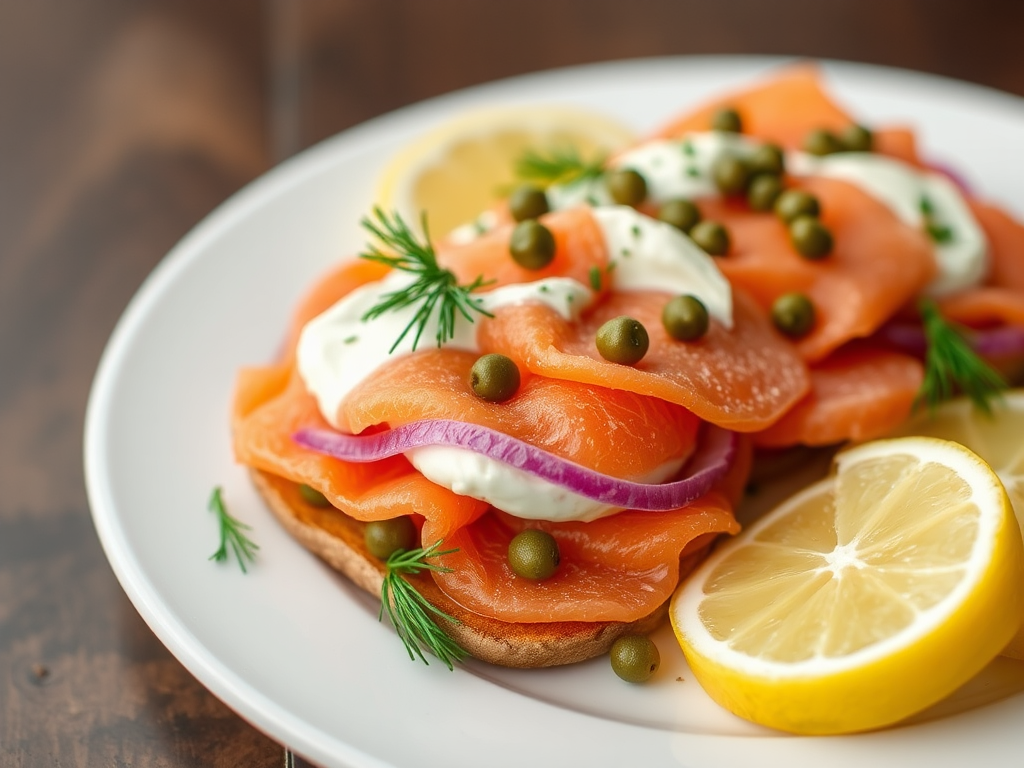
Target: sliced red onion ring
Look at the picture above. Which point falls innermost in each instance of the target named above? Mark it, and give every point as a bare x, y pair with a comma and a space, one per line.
989, 342
715, 451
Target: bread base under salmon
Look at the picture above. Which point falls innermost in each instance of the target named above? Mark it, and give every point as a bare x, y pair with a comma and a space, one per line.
338, 540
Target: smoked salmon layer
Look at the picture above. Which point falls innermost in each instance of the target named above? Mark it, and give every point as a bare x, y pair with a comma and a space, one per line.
743, 378
568, 419
878, 265
784, 109
877, 271
618, 568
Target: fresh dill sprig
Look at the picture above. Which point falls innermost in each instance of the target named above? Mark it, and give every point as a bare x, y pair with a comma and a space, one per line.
434, 286
232, 534
951, 365
561, 165
410, 612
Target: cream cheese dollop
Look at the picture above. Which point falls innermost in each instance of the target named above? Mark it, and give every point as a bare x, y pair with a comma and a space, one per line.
338, 349
961, 256
650, 255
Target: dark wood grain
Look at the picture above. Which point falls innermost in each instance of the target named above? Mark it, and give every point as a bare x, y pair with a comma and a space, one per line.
122, 122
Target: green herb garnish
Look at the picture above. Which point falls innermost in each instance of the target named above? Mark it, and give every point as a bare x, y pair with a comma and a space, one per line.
951, 365
433, 287
940, 233
232, 534
595, 278
562, 165
410, 612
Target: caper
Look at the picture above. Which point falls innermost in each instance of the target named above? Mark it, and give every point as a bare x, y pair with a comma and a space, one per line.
533, 554
385, 537
810, 237
680, 213
822, 142
796, 202
623, 340
727, 119
626, 186
711, 237
635, 658
685, 318
532, 245
527, 202
312, 496
764, 190
730, 174
793, 314
856, 138
494, 378
767, 158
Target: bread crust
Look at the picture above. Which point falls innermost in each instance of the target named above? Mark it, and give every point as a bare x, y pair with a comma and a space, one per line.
338, 540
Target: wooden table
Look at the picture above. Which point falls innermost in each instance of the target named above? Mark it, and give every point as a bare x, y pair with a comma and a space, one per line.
123, 122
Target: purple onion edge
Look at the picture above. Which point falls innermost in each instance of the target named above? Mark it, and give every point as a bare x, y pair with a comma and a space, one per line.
715, 451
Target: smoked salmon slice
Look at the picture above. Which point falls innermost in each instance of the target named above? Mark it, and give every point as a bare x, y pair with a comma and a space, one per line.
614, 432
579, 247
857, 393
878, 265
743, 378
616, 568
262, 436
784, 109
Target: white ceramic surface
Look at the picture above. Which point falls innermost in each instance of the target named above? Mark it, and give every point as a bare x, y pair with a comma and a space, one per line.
295, 649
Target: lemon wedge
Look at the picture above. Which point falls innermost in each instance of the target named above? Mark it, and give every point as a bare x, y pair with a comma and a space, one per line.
862, 599
463, 166
998, 439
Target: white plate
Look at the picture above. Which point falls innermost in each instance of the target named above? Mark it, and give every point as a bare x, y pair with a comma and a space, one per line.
295, 649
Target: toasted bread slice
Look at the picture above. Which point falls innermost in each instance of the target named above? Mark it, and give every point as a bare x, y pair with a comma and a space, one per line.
338, 540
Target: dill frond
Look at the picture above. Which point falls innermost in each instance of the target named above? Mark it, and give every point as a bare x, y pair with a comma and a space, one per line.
435, 289
413, 617
951, 365
232, 534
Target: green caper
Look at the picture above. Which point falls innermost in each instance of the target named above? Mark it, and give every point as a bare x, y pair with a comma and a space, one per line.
312, 496
764, 190
623, 340
685, 318
635, 658
680, 213
527, 202
727, 119
767, 158
796, 202
385, 537
730, 174
793, 314
711, 237
626, 186
822, 142
494, 378
810, 237
532, 245
856, 138
533, 554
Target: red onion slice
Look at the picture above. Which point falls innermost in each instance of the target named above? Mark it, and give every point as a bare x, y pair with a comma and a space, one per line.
952, 174
989, 342
715, 451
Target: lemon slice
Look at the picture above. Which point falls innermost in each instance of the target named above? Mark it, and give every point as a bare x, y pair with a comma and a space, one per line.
463, 166
862, 599
998, 439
